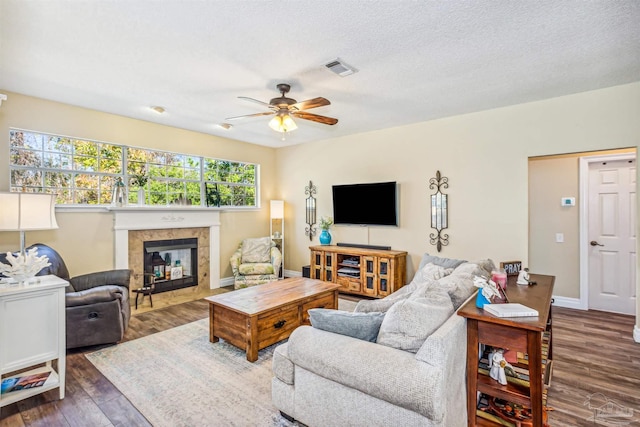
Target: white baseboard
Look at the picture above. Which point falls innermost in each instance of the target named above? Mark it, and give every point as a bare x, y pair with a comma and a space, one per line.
636, 333
566, 302
292, 273
227, 281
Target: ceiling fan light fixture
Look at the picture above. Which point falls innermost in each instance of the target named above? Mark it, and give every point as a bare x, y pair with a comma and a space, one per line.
283, 123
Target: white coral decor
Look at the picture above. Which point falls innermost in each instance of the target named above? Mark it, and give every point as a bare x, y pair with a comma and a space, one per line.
488, 287
24, 267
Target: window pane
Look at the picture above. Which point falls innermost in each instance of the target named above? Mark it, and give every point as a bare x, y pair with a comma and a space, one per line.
225, 195
86, 181
110, 158
58, 144
193, 192
26, 178
57, 161
57, 179
32, 141
26, 158
85, 163
192, 162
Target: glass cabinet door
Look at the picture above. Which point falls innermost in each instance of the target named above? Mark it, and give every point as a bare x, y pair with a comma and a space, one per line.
384, 275
370, 275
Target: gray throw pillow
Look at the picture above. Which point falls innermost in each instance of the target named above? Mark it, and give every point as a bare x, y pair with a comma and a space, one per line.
442, 262
363, 326
409, 323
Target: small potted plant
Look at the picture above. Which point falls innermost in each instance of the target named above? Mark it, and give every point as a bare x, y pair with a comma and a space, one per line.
140, 180
325, 225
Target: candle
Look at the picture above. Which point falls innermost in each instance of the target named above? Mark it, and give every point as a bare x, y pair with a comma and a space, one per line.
500, 278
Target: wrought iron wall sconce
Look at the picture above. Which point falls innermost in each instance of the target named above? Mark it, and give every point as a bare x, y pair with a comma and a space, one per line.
310, 209
439, 211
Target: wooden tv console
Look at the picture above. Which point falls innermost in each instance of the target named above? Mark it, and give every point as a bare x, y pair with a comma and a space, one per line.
372, 272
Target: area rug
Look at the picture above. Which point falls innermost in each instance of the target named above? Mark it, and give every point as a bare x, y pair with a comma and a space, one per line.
178, 378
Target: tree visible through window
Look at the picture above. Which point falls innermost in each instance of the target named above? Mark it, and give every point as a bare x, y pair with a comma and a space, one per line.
83, 172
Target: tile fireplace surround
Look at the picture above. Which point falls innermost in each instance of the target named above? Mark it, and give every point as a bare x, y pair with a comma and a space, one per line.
135, 224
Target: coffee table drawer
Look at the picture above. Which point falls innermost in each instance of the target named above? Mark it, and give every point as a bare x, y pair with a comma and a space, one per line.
278, 325
323, 302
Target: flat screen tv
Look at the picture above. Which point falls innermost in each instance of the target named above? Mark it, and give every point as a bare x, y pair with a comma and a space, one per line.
366, 204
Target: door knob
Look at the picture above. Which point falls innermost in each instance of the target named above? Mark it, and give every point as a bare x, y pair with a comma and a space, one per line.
594, 243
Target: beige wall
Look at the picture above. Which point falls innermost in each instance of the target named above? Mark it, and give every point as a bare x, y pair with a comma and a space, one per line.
549, 181
85, 238
484, 155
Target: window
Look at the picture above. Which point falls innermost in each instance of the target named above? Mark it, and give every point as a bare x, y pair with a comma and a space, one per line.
84, 172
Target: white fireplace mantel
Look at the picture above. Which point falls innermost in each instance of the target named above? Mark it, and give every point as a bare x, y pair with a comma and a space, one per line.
149, 218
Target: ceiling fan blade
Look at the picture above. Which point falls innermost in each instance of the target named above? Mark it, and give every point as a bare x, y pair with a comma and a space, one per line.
310, 103
266, 113
257, 101
315, 117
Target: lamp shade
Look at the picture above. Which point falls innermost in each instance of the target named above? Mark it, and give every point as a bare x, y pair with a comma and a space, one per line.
27, 211
283, 123
277, 209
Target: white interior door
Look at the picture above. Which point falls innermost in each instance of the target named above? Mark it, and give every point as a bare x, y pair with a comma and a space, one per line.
612, 236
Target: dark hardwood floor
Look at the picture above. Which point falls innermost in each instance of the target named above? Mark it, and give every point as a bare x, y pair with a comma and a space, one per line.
593, 352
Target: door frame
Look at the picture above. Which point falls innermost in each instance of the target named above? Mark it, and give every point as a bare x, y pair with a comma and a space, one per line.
584, 163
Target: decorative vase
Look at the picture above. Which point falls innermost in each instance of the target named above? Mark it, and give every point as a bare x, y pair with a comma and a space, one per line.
325, 237
481, 300
141, 196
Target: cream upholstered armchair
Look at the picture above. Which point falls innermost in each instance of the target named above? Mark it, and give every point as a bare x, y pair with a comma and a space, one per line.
256, 261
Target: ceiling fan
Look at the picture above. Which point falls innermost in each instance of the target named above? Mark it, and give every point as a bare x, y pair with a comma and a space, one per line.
284, 108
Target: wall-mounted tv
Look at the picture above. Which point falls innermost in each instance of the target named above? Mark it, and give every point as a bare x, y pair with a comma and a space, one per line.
366, 204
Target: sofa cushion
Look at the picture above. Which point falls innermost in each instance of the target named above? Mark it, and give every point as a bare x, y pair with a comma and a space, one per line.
256, 268
282, 366
430, 272
409, 323
364, 326
442, 262
256, 250
459, 284
424, 277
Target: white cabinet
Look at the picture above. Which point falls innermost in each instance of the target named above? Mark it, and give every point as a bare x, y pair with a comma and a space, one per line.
32, 332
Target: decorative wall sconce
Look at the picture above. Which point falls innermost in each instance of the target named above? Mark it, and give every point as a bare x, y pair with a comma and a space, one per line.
439, 211
310, 209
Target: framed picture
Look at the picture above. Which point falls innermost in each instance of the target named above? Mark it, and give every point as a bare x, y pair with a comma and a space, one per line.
511, 267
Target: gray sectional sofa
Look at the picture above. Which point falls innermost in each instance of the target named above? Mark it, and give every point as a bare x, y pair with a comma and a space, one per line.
412, 375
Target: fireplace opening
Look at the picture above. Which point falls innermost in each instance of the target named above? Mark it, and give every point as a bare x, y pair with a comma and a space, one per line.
171, 264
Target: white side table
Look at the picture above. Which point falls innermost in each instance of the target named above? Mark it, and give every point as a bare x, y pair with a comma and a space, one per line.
32, 332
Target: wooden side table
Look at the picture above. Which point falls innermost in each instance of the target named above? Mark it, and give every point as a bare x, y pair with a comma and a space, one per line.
32, 332
522, 334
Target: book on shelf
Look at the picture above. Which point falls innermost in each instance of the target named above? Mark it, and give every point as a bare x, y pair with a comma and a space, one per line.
485, 411
512, 309
26, 382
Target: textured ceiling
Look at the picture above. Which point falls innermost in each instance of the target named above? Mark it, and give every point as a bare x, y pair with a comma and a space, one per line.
416, 60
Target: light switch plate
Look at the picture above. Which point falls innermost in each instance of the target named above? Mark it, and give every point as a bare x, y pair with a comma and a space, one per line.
568, 201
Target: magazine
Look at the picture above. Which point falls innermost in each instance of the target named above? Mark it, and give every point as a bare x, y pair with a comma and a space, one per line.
21, 383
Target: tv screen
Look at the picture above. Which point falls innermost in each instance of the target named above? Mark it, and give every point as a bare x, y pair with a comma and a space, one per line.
365, 204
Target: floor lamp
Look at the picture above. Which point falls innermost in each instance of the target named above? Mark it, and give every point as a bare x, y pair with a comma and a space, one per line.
26, 212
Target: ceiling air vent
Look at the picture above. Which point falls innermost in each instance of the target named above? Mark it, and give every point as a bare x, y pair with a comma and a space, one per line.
340, 68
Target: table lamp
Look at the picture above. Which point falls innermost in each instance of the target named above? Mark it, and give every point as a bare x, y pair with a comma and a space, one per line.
26, 212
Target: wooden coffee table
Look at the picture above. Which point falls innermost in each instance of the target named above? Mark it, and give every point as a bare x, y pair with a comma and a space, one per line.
256, 317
